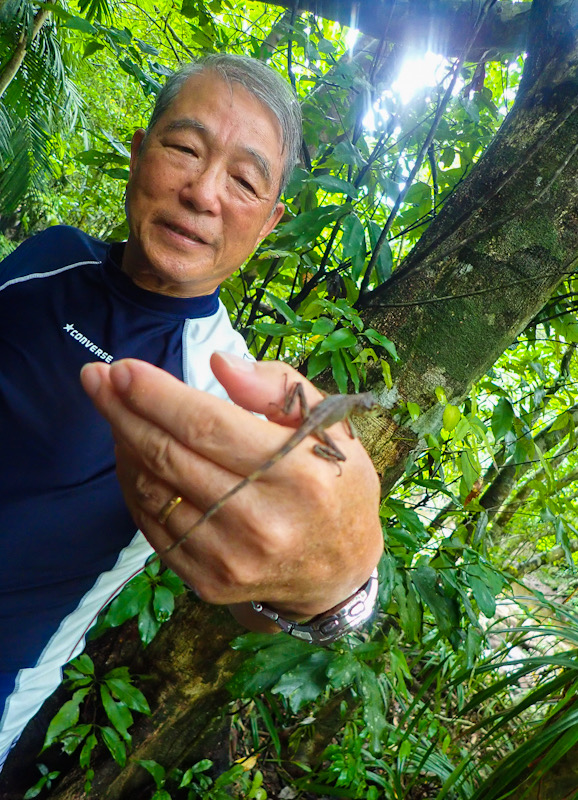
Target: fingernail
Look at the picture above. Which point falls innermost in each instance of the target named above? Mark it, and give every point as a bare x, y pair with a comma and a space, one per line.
90, 379
236, 362
120, 376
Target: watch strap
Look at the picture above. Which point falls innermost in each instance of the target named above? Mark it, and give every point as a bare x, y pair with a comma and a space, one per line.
328, 627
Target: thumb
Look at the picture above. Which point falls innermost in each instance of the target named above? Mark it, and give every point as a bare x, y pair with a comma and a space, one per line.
262, 386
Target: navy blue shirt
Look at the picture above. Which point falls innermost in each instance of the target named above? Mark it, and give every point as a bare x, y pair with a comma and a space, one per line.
64, 301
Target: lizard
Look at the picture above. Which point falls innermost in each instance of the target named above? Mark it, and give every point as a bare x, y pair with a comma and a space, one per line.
332, 409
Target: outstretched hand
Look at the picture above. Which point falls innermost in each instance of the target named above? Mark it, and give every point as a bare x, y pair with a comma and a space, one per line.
301, 538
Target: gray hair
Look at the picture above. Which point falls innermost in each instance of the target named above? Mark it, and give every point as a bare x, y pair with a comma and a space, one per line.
257, 78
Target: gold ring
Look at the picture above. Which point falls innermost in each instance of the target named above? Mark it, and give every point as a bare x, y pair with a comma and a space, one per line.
168, 508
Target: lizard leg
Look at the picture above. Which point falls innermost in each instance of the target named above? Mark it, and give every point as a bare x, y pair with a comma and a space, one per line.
328, 450
291, 395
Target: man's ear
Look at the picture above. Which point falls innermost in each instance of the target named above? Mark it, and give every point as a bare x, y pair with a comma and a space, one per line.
135, 146
276, 215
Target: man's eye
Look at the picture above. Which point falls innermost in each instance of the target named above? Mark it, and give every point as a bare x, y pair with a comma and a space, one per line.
184, 149
246, 185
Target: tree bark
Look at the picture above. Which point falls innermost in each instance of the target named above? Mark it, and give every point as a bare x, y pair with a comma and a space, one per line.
541, 559
485, 267
184, 672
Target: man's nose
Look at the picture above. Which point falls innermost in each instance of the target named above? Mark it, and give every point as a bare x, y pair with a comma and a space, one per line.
203, 189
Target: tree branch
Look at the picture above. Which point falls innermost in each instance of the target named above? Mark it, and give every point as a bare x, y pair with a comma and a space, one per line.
541, 559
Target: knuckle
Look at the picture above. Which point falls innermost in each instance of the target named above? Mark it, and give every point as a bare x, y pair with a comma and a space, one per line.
158, 451
147, 490
199, 430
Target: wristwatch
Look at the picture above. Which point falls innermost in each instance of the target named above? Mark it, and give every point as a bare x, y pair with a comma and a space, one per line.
326, 628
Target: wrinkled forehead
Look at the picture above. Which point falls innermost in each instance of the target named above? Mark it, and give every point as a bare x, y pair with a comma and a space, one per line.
216, 82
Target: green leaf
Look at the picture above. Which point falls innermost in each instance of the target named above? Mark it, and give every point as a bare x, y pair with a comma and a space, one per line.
91, 48
114, 744
561, 421
269, 724
414, 411
305, 682
156, 770
387, 567
80, 24
35, 790
384, 261
502, 418
326, 46
373, 706
323, 326
343, 337
347, 153
470, 469
410, 614
148, 625
134, 597
172, 582
444, 610
73, 737
129, 695
307, 226
84, 664
418, 193
163, 603
352, 236
351, 367
407, 516
85, 753
118, 713
146, 48
483, 596
282, 307
273, 329
117, 173
65, 718
335, 185
378, 338
266, 667
317, 362
339, 371
343, 670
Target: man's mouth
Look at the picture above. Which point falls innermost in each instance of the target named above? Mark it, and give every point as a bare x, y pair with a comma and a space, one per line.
188, 234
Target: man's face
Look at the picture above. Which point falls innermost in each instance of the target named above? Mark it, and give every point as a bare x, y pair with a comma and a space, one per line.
203, 188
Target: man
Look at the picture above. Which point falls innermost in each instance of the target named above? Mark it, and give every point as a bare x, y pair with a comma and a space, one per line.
205, 180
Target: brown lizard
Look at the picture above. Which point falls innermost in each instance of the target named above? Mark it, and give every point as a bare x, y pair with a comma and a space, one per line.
332, 409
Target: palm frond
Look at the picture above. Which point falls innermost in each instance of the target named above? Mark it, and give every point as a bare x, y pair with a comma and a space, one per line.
29, 167
40, 100
5, 149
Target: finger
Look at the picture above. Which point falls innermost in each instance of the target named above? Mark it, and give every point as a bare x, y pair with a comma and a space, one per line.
153, 412
208, 558
212, 433
213, 428
262, 386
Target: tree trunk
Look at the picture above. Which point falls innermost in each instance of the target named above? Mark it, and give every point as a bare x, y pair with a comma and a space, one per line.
184, 672
486, 266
